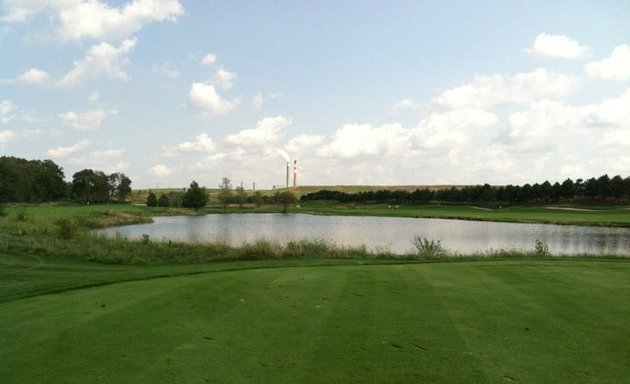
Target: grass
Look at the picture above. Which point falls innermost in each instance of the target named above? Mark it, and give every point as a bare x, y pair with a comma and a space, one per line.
308, 321
78, 308
616, 216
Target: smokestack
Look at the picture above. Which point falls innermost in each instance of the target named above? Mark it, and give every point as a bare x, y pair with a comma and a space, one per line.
294, 173
288, 167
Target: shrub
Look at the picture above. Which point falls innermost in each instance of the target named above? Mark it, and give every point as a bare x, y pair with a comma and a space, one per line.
152, 200
21, 215
541, 248
164, 201
428, 248
66, 228
3, 210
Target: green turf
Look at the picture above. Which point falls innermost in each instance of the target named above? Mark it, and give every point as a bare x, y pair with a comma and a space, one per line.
611, 216
528, 321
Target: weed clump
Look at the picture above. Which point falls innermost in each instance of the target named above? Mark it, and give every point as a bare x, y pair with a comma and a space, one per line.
66, 228
541, 248
428, 248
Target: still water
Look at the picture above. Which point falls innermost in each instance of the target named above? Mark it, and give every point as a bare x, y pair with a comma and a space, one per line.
391, 233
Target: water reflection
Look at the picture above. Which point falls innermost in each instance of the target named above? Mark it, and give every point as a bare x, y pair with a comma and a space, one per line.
390, 233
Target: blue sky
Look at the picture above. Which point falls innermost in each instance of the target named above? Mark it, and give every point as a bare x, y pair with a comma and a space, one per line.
359, 92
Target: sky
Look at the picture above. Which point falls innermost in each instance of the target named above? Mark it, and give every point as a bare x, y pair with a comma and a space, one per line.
358, 92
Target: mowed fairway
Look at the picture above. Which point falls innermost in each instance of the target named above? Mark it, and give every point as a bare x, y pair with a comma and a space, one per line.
528, 321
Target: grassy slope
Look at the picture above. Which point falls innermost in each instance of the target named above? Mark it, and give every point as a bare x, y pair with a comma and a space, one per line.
466, 322
618, 216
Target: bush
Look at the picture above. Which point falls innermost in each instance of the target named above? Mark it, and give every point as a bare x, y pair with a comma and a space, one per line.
21, 215
164, 201
66, 228
428, 248
152, 200
3, 210
541, 248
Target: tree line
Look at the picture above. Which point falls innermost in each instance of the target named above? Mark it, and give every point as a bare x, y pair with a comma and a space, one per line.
601, 188
36, 181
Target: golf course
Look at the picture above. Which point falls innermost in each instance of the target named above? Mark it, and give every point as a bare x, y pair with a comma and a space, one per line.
466, 322
73, 309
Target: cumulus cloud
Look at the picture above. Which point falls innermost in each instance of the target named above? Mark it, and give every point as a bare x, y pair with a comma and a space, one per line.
301, 142
557, 46
405, 104
7, 110
267, 132
224, 79
101, 59
204, 97
521, 88
86, 121
209, 59
440, 130
616, 66
160, 170
5, 136
33, 76
353, 140
106, 154
202, 143
60, 152
78, 19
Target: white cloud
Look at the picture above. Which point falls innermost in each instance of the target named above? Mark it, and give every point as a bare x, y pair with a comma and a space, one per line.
106, 154
521, 88
160, 170
86, 121
353, 140
257, 101
267, 132
616, 66
60, 152
202, 143
209, 59
616, 138
5, 136
557, 46
101, 59
299, 143
33, 76
7, 109
224, 79
405, 104
205, 97
452, 129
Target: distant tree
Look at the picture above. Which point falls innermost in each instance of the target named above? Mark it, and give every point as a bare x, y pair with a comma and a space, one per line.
89, 186
240, 197
257, 198
119, 186
34, 181
285, 198
225, 192
152, 200
163, 201
195, 197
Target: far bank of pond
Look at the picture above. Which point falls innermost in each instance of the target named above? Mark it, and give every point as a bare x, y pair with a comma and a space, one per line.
378, 233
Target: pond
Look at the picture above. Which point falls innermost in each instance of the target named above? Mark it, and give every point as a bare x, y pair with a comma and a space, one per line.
391, 233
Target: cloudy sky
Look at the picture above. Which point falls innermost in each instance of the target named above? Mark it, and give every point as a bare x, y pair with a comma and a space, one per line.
360, 92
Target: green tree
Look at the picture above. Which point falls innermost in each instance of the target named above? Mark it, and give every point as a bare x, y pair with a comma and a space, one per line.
119, 186
195, 197
163, 201
285, 198
225, 192
257, 198
152, 200
89, 186
240, 197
